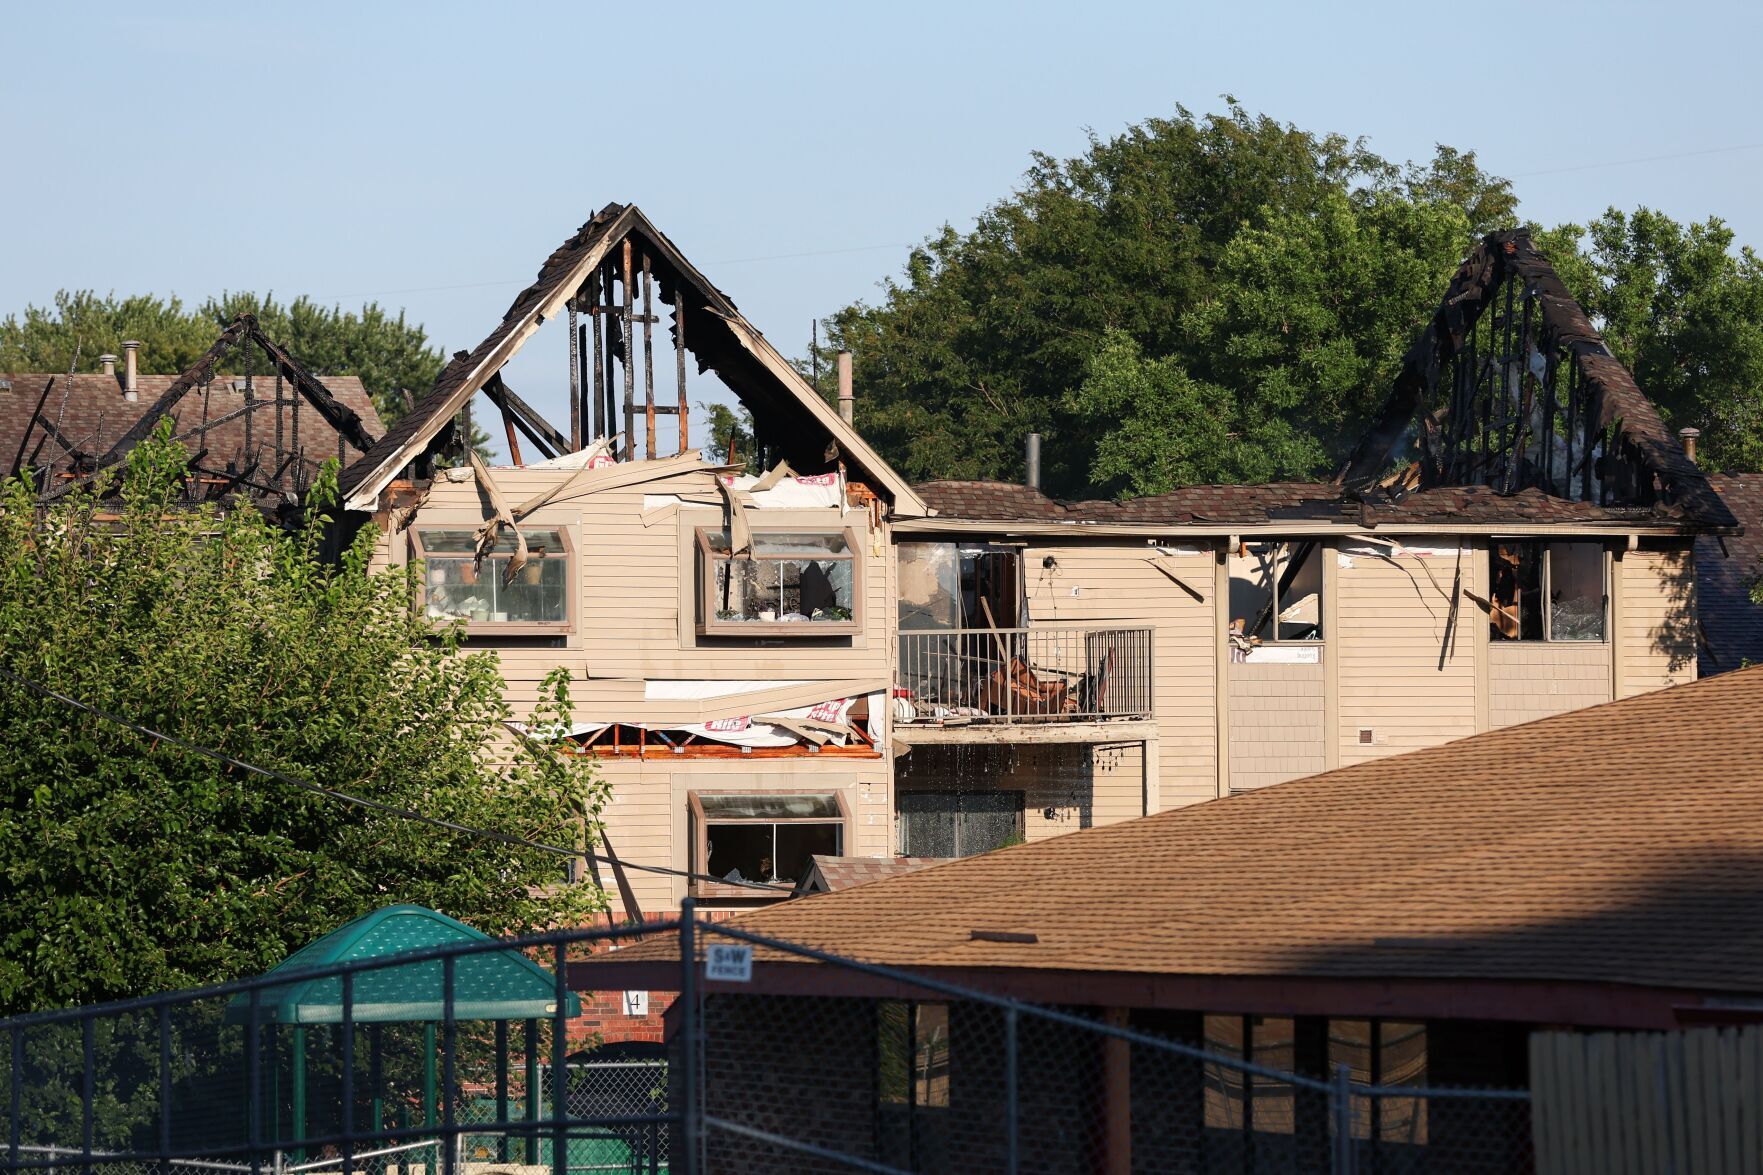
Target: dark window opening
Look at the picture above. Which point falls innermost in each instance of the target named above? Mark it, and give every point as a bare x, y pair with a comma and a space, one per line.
1547, 591
765, 837
1276, 592
1382, 1052
912, 1083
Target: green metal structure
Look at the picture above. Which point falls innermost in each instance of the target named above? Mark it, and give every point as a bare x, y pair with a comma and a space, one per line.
496, 986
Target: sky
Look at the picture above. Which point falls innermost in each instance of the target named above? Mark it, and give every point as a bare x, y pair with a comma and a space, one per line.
429, 157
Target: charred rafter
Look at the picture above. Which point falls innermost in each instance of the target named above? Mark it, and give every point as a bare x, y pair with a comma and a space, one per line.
1510, 386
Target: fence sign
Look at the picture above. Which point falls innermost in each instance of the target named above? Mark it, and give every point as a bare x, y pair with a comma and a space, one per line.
728, 963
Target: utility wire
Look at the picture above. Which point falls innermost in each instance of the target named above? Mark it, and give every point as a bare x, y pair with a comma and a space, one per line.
358, 801
526, 281
1643, 159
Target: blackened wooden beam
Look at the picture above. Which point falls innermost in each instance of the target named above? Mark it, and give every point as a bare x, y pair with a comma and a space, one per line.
630, 367
551, 442
649, 357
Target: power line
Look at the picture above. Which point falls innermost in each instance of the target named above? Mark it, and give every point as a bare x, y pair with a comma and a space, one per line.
524, 281
1642, 159
360, 802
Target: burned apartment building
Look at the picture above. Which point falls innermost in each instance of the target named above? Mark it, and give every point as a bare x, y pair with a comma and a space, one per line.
801, 656
255, 424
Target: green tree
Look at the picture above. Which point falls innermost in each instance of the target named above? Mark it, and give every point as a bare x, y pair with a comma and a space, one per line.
137, 865
388, 354
1684, 311
1175, 235
731, 431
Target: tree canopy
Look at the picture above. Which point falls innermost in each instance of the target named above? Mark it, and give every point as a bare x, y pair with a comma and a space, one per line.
1227, 297
388, 354
155, 867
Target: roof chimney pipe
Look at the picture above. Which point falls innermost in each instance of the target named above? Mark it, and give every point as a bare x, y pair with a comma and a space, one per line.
108, 363
1689, 437
1032, 461
847, 397
130, 384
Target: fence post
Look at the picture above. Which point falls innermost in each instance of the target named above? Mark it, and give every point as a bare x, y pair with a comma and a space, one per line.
1340, 1097
1011, 1149
165, 1086
560, 1064
15, 1111
689, 1028
449, 1059
88, 1032
348, 1045
254, 1081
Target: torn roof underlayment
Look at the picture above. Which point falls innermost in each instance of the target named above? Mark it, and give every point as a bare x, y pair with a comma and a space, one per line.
715, 333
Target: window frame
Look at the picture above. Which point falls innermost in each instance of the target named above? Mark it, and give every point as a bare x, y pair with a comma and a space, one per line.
1320, 552
700, 826
478, 628
1546, 591
705, 562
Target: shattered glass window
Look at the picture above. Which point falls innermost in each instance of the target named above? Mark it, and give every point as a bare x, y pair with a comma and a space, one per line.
1547, 591
785, 578
1576, 592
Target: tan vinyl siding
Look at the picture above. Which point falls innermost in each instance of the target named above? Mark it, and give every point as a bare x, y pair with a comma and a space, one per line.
648, 820
1392, 631
1116, 584
1657, 618
1528, 680
633, 611
1276, 723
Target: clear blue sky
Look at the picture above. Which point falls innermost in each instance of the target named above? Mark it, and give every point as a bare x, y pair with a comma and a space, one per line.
430, 156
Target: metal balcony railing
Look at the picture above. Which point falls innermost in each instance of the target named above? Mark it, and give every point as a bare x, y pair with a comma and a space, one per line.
1040, 674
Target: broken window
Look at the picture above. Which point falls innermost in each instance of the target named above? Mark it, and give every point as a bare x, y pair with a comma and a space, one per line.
765, 837
946, 586
786, 583
912, 1082
457, 587
1547, 591
958, 823
1275, 593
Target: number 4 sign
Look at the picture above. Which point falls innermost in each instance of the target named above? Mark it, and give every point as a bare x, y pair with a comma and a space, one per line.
727, 963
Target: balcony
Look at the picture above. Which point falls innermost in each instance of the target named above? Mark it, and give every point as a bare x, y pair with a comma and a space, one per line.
1023, 676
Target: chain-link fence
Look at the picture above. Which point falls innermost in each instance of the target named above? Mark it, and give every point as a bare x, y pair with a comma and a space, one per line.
812, 1062
884, 1070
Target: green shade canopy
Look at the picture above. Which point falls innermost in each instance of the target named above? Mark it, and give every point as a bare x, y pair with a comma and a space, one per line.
491, 985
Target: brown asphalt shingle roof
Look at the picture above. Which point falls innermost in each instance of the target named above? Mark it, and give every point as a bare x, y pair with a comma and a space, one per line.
836, 873
1285, 501
1732, 624
95, 416
1621, 843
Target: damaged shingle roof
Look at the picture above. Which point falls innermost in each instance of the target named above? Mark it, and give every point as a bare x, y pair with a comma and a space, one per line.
827, 874
91, 416
1622, 843
1274, 502
552, 274
1732, 626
